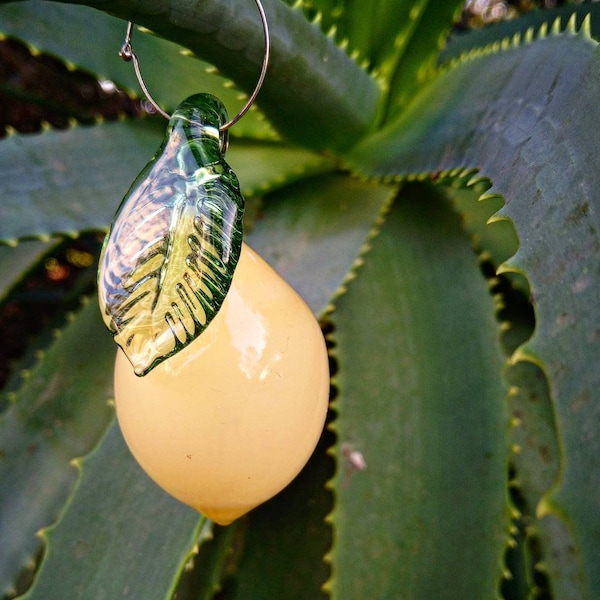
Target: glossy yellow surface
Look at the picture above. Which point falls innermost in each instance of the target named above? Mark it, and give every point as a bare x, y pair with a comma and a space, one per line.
230, 420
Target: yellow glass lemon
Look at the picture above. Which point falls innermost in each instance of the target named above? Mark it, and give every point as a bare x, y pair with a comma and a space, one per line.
229, 421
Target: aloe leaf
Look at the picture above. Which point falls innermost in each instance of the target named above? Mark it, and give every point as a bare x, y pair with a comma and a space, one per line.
376, 33
379, 34
528, 24
59, 412
494, 239
16, 262
67, 188
312, 232
314, 94
17, 265
421, 416
203, 578
133, 544
561, 562
512, 96
526, 118
70, 181
278, 533
389, 32
537, 454
546, 543
416, 50
398, 41
63, 30
535, 468
295, 236
266, 167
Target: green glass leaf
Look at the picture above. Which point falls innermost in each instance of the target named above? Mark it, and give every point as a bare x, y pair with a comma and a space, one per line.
421, 417
526, 117
120, 536
170, 255
59, 413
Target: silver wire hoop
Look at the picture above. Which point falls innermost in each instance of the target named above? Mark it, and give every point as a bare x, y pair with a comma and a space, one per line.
127, 54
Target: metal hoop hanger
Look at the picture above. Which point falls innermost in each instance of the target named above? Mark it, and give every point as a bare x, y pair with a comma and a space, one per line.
127, 54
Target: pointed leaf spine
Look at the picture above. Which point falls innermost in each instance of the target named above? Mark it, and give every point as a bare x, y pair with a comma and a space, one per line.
586, 27
572, 24
556, 28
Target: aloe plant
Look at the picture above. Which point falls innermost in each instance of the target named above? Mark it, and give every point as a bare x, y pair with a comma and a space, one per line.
462, 454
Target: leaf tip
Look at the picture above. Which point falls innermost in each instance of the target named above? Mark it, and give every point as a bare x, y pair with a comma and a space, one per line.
586, 27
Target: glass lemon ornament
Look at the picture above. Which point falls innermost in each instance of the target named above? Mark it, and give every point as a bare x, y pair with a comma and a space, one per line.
230, 420
222, 378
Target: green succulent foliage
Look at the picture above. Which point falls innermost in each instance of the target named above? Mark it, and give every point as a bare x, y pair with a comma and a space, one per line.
437, 205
